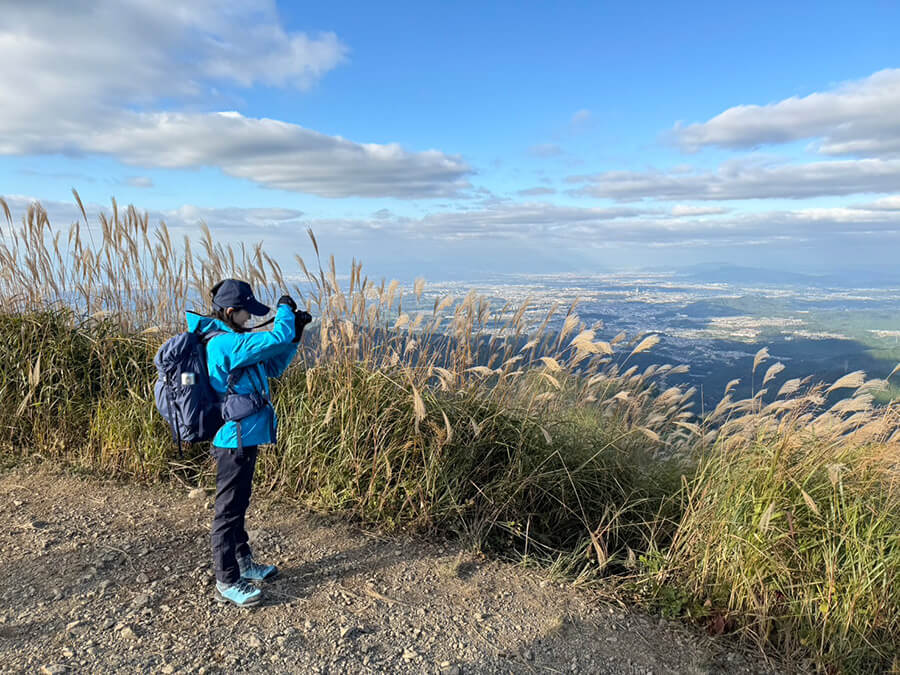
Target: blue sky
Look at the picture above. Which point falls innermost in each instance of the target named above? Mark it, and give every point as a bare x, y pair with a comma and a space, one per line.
455, 139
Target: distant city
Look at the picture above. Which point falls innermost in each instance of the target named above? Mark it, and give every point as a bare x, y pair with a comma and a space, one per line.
716, 318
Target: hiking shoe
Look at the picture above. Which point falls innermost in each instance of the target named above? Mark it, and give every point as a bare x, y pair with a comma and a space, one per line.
241, 593
251, 571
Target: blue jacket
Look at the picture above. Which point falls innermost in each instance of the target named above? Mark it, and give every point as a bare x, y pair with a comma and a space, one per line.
270, 352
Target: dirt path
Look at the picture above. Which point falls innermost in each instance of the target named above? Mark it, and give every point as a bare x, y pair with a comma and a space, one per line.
101, 577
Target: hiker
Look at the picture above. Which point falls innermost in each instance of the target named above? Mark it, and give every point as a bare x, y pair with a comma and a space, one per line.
249, 358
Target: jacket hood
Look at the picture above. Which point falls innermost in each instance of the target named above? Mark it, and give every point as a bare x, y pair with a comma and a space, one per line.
204, 324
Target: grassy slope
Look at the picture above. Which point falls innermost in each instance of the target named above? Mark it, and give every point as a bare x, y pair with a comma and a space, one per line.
784, 546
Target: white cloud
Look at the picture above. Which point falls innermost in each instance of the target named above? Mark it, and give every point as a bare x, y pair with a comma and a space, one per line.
539, 220
510, 226
278, 155
91, 79
109, 54
884, 204
536, 192
242, 222
685, 210
860, 118
139, 181
249, 223
747, 179
580, 118
549, 226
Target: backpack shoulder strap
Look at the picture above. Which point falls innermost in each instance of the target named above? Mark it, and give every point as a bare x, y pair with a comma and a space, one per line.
206, 337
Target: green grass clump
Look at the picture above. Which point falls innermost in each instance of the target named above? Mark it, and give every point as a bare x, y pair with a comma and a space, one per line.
793, 533
351, 440
127, 439
54, 370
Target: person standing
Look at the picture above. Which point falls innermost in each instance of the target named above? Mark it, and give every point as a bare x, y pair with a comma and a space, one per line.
239, 363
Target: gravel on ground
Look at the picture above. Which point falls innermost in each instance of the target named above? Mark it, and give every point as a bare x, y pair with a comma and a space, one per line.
100, 576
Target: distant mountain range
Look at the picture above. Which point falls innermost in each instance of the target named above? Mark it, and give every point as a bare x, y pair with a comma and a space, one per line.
737, 275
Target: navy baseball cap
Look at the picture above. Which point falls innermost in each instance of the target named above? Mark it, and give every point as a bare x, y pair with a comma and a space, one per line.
238, 294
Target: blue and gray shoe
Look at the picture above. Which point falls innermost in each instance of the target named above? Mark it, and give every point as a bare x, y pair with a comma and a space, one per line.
251, 571
241, 593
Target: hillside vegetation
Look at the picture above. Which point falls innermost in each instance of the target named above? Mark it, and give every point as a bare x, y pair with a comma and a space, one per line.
777, 516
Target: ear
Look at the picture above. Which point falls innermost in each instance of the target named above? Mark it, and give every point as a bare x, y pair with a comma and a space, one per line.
229, 311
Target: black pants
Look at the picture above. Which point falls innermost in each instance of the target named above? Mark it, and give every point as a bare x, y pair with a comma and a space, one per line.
234, 479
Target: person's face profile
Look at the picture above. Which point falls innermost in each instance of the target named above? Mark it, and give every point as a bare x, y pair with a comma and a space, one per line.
239, 316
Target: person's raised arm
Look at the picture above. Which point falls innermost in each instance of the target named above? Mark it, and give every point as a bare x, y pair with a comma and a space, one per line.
251, 348
276, 366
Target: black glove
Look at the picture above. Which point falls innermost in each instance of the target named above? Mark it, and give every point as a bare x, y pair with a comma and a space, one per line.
301, 318
289, 301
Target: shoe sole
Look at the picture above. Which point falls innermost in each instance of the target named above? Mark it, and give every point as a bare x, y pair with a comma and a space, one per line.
222, 600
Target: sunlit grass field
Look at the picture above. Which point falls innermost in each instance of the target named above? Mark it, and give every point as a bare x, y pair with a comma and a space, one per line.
775, 516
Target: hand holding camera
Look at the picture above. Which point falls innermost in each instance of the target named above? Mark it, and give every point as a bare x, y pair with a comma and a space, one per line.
301, 318
289, 301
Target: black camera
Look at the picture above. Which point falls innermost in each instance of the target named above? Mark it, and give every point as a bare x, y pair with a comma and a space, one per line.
301, 318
